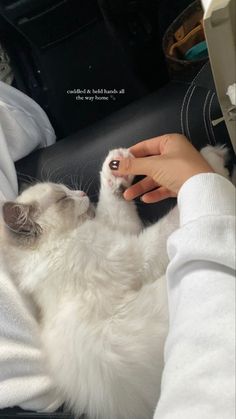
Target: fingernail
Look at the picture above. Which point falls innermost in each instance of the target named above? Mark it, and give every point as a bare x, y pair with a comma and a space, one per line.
114, 164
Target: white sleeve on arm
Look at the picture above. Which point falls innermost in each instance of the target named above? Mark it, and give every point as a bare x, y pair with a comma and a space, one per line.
198, 379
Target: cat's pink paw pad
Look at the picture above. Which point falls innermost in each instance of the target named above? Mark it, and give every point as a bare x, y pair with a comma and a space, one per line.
117, 184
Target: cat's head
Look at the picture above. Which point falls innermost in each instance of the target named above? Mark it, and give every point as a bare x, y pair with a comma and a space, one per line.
44, 210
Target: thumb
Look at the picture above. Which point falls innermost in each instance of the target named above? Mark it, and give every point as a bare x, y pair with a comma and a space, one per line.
132, 166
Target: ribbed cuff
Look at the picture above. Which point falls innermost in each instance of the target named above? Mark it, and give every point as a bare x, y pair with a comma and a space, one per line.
206, 194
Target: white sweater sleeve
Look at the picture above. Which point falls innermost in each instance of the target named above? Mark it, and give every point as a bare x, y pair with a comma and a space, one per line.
198, 378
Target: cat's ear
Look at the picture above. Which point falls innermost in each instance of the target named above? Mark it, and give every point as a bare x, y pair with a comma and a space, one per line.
20, 218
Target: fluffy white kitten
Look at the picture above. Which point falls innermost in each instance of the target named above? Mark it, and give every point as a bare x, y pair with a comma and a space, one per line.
98, 280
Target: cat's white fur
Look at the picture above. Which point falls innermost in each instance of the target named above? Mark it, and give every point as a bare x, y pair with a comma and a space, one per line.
99, 282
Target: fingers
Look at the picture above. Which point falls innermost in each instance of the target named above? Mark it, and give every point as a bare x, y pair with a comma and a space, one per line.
139, 188
144, 188
150, 147
157, 195
131, 166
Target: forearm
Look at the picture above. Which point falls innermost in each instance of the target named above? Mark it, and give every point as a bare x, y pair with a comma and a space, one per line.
198, 379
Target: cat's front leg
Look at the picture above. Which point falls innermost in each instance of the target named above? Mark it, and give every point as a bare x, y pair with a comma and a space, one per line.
112, 207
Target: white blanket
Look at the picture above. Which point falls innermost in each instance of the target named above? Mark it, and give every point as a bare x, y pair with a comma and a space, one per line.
24, 127
24, 382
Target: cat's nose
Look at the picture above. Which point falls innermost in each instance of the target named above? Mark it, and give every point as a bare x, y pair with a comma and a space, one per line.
81, 193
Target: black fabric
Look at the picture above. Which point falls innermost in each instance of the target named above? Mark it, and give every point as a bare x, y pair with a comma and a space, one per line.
16, 412
177, 107
59, 48
134, 25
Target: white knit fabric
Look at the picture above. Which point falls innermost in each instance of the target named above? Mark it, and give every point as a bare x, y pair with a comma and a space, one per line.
23, 376
199, 375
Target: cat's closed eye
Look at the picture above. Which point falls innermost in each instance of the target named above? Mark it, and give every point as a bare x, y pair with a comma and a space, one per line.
61, 198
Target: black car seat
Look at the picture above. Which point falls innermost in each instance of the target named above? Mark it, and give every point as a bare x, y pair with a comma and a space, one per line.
187, 108
58, 46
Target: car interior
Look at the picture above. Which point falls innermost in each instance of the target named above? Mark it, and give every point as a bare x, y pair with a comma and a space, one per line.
102, 72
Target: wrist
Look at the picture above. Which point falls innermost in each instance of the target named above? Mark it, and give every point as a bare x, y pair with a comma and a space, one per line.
189, 172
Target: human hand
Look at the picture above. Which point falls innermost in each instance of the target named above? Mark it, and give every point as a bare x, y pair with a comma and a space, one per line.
166, 161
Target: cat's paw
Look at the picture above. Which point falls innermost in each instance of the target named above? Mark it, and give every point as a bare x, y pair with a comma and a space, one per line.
217, 158
117, 184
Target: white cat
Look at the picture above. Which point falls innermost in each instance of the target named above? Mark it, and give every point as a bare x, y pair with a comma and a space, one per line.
98, 279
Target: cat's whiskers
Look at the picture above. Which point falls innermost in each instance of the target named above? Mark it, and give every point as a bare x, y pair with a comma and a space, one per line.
27, 178
51, 175
47, 162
